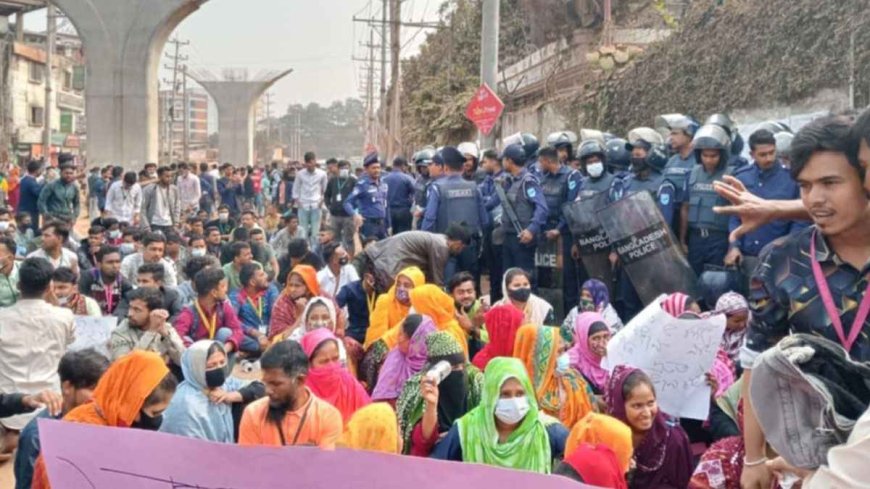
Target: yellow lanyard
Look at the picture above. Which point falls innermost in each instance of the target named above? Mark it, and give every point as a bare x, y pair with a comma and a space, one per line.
257, 308
371, 302
210, 326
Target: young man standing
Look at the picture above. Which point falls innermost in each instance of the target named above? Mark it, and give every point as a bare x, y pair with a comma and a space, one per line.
161, 203
338, 189
60, 198
308, 190
29, 193
124, 200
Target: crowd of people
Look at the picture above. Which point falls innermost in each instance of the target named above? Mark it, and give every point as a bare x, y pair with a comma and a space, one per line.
403, 311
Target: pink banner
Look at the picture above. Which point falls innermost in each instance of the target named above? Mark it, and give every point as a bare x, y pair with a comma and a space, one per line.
92, 457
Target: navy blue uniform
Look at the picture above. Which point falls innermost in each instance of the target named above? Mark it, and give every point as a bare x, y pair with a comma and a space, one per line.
369, 199
707, 236
493, 235
400, 197
559, 188
526, 197
677, 171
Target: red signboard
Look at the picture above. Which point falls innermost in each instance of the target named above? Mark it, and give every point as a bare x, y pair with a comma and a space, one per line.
484, 109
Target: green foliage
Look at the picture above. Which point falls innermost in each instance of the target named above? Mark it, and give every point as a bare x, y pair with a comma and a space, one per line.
333, 131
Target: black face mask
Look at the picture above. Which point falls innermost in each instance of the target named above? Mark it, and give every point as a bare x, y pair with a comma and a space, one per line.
520, 295
147, 422
638, 165
215, 378
343, 261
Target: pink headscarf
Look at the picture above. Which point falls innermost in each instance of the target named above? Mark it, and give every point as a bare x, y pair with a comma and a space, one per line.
582, 358
315, 338
676, 304
399, 367
332, 382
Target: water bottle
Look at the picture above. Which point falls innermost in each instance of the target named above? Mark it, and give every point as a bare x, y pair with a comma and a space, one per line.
439, 372
250, 367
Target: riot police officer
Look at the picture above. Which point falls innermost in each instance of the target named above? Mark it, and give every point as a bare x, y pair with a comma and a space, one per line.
453, 199
681, 129
593, 162
560, 185
735, 159
563, 142
368, 201
471, 153
530, 146
421, 162
703, 233
400, 195
493, 234
524, 212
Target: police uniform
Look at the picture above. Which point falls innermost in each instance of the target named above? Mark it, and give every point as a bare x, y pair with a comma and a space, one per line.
590, 186
677, 171
400, 197
559, 188
525, 196
493, 235
707, 235
369, 199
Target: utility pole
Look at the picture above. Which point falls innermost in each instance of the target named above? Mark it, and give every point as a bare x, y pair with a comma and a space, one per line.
394, 142
489, 57
370, 91
47, 112
384, 126
185, 134
174, 67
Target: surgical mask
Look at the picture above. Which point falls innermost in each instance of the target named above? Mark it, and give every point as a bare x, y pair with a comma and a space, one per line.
403, 295
312, 325
343, 173
4, 225
521, 294
215, 378
127, 248
587, 305
513, 410
62, 301
197, 252
224, 216
115, 234
148, 422
563, 363
595, 169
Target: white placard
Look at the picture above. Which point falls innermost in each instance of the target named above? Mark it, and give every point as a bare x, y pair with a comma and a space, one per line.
675, 353
93, 332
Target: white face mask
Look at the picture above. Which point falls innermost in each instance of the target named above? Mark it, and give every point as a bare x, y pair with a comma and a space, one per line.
197, 251
114, 234
595, 169
563, 363
512, 411
343, 173
4, 225
223, 217
61, 301
312, 325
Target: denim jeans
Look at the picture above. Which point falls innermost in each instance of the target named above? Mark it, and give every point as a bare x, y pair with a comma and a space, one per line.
309, 221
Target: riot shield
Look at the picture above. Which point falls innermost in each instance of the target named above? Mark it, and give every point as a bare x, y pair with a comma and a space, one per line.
590, 237
647, 247
549, 265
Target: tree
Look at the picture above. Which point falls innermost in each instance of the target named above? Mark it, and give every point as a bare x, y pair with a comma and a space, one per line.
333, 131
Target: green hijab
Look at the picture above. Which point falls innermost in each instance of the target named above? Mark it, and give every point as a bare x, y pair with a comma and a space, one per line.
528, 447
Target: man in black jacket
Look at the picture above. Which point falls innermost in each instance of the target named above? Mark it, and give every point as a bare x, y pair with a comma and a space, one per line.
151, 275
337, 190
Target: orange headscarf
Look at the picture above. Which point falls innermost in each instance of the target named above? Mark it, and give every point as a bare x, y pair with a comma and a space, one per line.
308, 275
388, 311
602, 429
118, 398
430, 300
372, 428
564, 396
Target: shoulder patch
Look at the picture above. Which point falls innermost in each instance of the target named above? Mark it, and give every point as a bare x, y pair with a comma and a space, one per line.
572, 184
665, 198
531, 192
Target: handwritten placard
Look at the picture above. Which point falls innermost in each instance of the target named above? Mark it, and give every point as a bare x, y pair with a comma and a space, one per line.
82, 456
93, 332
675, 353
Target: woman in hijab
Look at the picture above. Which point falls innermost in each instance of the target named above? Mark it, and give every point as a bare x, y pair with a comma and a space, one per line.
517, 291
287, 314
406, 359
591, 336
321, 312
595, 465
662, 456
203, 405
327, 378
561, 392
601, 429
431, 300
594, 297
678, 304
388, 312
506, 430
373, 428
428, 410
736, 310
502, 323
133, 393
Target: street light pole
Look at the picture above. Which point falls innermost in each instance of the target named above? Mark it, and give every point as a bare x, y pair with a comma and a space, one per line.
489, 57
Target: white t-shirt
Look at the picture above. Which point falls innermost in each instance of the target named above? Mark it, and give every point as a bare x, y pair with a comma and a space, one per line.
67, 258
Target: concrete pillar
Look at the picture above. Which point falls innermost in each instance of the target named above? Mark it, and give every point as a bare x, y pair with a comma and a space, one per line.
123, 41
236, 103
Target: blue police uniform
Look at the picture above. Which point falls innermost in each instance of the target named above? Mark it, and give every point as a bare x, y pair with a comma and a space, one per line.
369, 199
559, 188
775, 183
677, 171
493, 236
525, 195
590, 186
421, 184
707, 236
400, 198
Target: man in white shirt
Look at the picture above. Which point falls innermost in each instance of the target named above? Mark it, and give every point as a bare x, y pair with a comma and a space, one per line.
308, 190
153, 248
189, 188
338, 271
124, 199
34, 335
161, 204
54, 235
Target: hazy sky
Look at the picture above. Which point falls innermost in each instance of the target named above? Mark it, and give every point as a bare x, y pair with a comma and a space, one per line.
317, 38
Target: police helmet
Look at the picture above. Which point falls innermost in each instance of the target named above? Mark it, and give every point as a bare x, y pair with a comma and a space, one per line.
724, 121
774, 127
711, 136
657, 158
737, 144
424, 156
587, 134
667, 122
647, 134
589, 148
562, 138
783, 142
469, 148
617, 157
